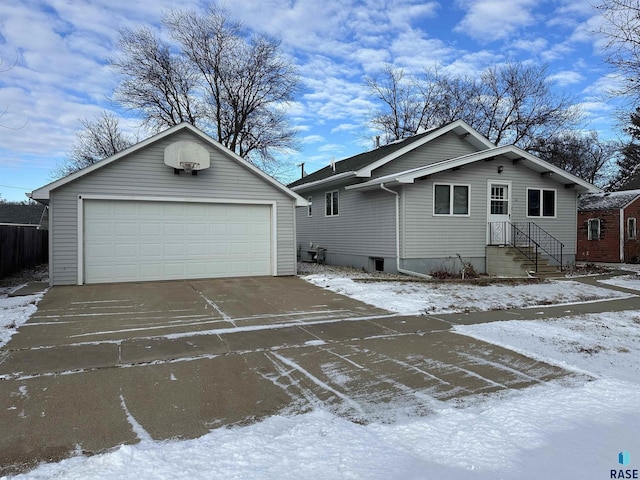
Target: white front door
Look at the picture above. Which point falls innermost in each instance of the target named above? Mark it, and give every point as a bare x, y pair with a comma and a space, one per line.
499, 228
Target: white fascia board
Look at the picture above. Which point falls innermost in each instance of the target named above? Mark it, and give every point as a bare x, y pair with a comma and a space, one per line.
459, 124
44, 192
339, 176
410, 176
552, 168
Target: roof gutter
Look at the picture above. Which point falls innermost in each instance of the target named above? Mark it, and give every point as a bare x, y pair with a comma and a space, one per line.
401, 270
622, 235
332, 178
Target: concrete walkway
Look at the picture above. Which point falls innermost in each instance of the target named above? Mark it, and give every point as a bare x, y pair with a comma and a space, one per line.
102, 365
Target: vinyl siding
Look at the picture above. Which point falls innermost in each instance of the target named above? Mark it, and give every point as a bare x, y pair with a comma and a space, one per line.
143, 173
429, 236
445, 147
365, 225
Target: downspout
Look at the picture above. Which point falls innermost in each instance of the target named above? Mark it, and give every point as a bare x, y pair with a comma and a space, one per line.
401, 270
622, 233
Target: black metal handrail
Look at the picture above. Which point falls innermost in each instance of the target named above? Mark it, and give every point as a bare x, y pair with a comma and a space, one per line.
529, 239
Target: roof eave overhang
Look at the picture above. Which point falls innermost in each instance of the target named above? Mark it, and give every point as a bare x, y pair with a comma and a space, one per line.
510, 152
324, 182
42, 194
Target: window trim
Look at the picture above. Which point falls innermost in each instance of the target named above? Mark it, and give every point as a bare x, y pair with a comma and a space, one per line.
331, 192
309, 205
589, 236
632, 234
451, 199
555, 202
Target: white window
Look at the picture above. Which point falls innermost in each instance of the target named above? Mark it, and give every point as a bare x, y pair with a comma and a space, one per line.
331, 203
593, 225
450, 199
499, 200
309, 204
631, 228
541, 202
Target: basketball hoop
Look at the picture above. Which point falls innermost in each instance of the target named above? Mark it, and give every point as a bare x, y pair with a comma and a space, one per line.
189, 167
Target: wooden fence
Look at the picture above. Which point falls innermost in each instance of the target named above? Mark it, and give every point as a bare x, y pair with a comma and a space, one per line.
22, 247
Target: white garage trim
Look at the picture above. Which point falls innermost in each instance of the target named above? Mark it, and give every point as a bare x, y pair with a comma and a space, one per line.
80, 219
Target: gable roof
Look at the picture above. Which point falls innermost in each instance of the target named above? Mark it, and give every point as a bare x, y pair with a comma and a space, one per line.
363, 164
15, 214
510, 152
42, 193
607, 200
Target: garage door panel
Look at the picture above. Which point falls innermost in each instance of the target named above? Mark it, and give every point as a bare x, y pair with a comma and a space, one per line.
174, 229
125, 250
129, 240
150, 229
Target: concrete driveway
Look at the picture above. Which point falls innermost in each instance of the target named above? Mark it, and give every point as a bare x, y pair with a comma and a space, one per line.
102, 365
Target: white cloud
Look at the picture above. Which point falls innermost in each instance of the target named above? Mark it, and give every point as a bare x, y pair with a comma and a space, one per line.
566, 77
313, 139
414, 52
490, 20
345, 127
331, 148
534, 46
605, 85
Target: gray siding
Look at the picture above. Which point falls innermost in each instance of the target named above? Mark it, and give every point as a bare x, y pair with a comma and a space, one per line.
426, 236
143, 173
444, 147
365, 225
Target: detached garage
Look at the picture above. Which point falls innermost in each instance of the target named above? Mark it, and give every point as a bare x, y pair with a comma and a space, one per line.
176, 206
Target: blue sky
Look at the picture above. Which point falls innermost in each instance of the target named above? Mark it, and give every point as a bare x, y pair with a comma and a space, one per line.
60, 74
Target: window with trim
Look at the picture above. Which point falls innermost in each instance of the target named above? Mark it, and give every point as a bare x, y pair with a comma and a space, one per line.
450, 199
541, 202
309, 204
593, 226
631, 228
331, 203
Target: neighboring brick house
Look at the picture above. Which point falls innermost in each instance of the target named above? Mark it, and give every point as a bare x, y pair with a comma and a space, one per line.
608, 227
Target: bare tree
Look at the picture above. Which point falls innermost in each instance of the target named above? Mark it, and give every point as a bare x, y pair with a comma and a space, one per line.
224, 80
621, 28
509, 104
100, 139
585, 155
403, 108
159, 84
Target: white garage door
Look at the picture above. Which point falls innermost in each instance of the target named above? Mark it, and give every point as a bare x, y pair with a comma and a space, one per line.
127, 241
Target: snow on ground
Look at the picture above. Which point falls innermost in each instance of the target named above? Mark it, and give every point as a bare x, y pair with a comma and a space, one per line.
604, 345
14, 311
554, 430
434, 297
631, 282
544, 432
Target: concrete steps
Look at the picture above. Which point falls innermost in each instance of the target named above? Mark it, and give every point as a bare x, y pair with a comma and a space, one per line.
510, 262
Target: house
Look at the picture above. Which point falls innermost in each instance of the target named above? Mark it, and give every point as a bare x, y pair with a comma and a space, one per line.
178, 205
19, 215
607, 227
419, 204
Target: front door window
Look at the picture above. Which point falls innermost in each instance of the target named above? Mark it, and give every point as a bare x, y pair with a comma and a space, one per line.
499, 200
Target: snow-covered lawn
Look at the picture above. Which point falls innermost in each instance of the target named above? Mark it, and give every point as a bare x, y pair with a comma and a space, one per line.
553, 430
421, 298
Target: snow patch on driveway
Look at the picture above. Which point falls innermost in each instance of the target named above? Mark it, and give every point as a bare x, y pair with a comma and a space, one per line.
14, 311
